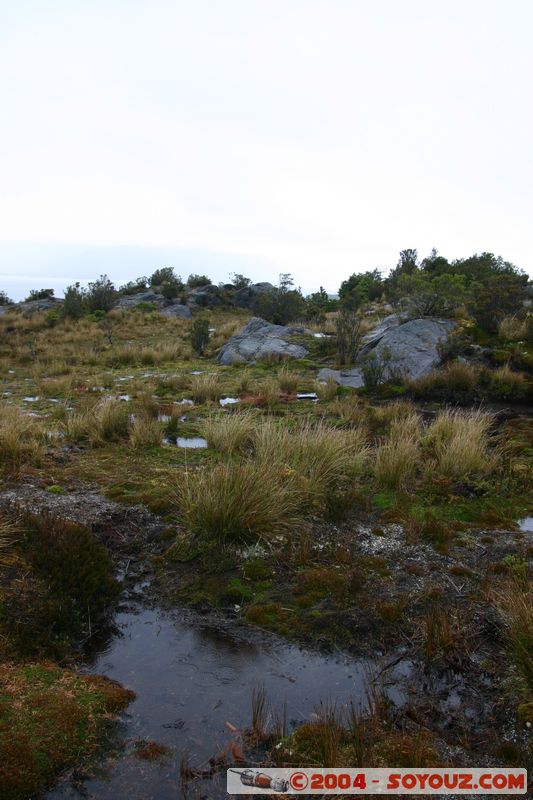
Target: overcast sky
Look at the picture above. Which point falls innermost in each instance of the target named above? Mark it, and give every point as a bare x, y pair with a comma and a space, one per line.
260, 136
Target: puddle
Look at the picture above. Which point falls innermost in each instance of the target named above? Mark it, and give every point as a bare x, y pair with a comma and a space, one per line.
124, 397
307, 396
229, 401
187, 442
30, 399
190, 679
526, 524
198, 372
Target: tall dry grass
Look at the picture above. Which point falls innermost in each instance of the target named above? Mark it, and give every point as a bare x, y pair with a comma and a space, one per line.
321, 458
459, 442
397, 457
287, 380
145, 432
205, 387
229, 433
22, 440
515, 605
238, 502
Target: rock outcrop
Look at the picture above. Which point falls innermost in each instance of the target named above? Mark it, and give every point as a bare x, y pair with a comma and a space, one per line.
260, 339
248, 296
133, 300
177, 310
404, 349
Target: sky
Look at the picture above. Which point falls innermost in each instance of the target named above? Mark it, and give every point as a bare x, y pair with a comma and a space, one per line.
260, 136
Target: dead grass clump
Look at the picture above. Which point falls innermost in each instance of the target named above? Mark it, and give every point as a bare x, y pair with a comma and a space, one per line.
236, 502
515, 605
321, 458
229, 433
459, 442
146, 432
287, 380
22, 440
441, 632
397, 457
512, 329
326, 390
205, 387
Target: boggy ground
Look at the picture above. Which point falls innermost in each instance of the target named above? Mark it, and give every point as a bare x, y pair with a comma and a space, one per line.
356, 522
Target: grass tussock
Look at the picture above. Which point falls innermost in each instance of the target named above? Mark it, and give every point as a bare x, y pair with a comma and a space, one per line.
512, 329
326, 390
321, 458
111, 418
349, 409
205, 387
459, 443
22, 440
238, 502
230, 433
456, 377
397, 457
104, 421
515, 606
145, 432
287, 380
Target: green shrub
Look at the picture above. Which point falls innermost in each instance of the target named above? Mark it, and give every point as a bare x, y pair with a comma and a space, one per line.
200, 335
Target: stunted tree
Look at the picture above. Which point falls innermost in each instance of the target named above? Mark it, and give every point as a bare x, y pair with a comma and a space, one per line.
74, 305
349, 336
163, 275
200, 335
282, 304
101, 294
239, 281
40, 294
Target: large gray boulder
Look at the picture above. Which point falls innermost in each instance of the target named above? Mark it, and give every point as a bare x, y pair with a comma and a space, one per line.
408, 350
348, 377
248, 296
44, 304
177, 310
133, 300
260, 339
205, 296
411, 350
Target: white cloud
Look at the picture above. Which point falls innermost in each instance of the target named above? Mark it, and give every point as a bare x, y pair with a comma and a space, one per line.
321, 137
